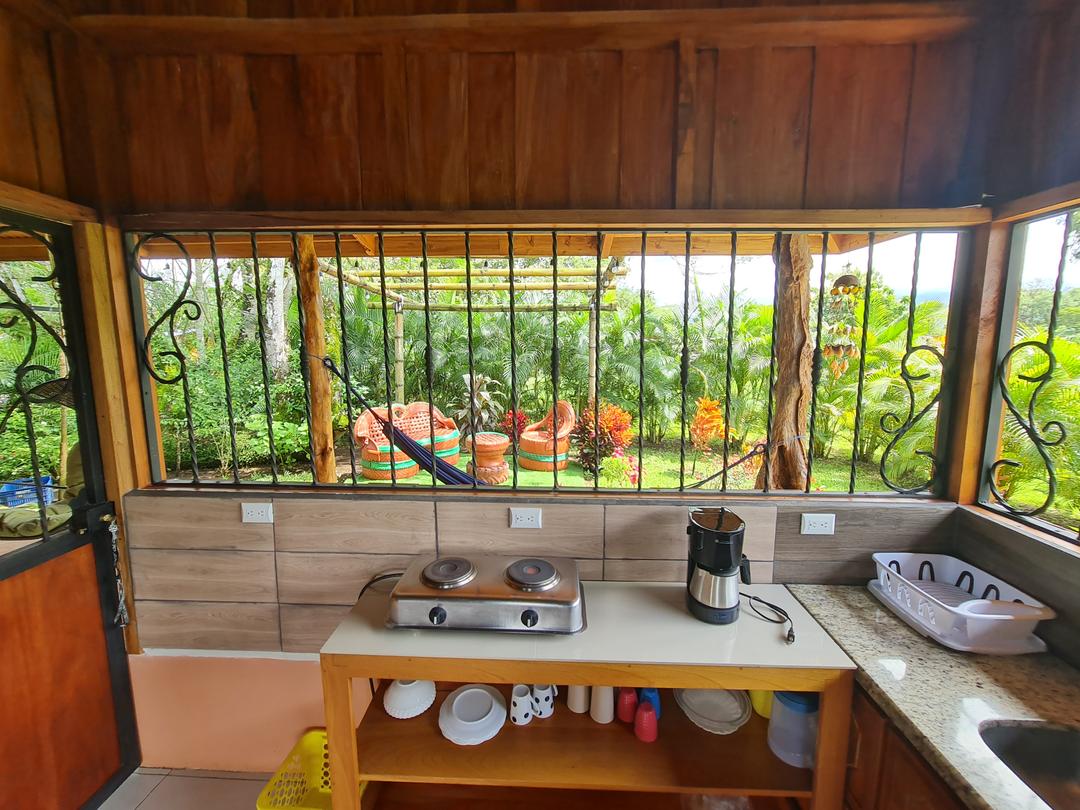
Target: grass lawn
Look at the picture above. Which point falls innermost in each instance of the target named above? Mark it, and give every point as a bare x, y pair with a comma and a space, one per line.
661, 466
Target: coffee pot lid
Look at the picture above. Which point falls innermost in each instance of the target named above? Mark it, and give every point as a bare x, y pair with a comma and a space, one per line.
715, 519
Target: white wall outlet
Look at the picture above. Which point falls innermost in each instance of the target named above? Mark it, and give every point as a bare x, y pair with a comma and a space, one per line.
524, 518
257, 512
818, 523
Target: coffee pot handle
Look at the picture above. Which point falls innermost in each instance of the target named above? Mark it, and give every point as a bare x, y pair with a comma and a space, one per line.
744, 570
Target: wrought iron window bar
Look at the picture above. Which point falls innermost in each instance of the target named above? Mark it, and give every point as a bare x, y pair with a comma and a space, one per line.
1044, 432
159, 340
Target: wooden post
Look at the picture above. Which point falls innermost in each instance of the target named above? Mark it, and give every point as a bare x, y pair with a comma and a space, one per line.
314, 338
114, 371
592, 357
794, 359
977, 293
399, 353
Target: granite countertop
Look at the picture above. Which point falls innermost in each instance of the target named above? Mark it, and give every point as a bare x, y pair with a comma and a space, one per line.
938, 698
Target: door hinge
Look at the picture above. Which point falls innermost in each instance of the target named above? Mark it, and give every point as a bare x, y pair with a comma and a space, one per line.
121, 618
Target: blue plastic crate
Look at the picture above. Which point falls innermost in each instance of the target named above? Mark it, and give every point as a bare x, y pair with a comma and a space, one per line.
23, 491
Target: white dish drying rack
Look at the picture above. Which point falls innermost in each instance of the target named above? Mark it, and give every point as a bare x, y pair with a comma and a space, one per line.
957, 604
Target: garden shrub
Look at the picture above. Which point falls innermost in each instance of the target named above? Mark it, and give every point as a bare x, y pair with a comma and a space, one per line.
615, 434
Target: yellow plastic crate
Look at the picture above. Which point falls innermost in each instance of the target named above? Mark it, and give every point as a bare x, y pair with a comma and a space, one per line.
303, 780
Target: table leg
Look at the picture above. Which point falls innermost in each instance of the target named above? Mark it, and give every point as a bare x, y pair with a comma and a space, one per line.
341, 735
834, 728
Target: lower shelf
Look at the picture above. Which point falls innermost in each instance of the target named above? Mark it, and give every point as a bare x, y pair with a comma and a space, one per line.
401, 796
571, 751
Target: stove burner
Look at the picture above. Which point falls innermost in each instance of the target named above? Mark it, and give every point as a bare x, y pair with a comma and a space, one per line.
448, 572
532, 574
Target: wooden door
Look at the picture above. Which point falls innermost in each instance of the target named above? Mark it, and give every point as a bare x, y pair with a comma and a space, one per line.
67, 732
868, 727
908, 783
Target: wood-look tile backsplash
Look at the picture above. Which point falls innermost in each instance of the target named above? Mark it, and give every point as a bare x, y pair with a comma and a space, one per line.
205, 580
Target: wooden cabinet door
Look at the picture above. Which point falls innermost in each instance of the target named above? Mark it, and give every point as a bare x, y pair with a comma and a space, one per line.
908, 783
868, 727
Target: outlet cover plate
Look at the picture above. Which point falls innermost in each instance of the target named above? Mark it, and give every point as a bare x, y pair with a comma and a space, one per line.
257, 513
525, 517
818, 523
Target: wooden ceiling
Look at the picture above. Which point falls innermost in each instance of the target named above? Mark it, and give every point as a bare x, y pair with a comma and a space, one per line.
458, 105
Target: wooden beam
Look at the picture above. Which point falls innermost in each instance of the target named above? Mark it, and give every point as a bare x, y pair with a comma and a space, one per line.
685, 135
357, 281
501, 272
418, 307
977, 290
1033, 205
399, 354
521, 286
45, 14
367, 243
115, 376
885, 23
314, 341
854, 219
45, 206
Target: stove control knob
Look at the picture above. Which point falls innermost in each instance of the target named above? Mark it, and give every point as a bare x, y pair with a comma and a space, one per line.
437, 615
529, 618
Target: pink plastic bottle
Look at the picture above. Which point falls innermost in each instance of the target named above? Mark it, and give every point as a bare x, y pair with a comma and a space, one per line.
627, 704
645, 722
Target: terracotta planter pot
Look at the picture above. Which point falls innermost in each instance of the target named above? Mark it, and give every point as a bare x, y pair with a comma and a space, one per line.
488, 464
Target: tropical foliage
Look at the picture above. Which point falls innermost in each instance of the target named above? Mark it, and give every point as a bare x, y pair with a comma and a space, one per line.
726, 395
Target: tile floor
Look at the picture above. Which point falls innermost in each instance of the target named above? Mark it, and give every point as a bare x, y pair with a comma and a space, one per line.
163, 789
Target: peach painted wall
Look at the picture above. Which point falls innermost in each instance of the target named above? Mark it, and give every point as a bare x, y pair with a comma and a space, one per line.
225, 713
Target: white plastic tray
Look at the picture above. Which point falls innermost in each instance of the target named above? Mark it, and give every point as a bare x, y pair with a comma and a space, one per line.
957, 604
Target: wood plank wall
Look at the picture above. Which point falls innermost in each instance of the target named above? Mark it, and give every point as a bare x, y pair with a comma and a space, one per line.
203, 579
1036, 144
30, 146
832, 126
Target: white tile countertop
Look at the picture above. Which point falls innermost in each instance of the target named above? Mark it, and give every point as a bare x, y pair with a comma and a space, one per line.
938, 698
627, 622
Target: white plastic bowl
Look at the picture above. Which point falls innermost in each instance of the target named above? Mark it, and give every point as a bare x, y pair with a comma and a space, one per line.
472, 714
405, 699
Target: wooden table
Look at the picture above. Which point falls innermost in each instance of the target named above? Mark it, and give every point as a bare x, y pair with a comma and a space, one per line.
638, 634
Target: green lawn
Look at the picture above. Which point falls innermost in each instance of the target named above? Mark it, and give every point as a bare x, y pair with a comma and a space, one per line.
661, 465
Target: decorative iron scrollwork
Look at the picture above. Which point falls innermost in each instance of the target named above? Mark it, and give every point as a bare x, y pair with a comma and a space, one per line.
34, 383
1050, 435
181, 307
893, 424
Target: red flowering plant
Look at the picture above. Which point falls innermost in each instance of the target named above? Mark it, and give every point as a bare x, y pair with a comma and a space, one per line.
513, 422
615, 434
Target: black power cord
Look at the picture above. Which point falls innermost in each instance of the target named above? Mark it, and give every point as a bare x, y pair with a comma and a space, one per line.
359, 596
378, 578
780, 615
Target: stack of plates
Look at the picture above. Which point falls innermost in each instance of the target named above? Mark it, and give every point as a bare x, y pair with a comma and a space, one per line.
718, 711
472, 714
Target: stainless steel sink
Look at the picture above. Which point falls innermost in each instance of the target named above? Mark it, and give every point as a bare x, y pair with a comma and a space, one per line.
1045, 756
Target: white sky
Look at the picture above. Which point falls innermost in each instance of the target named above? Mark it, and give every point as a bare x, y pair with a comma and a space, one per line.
893, 262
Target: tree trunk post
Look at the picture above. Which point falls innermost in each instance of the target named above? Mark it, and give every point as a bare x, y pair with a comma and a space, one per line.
794, 360
322, 421
399, 353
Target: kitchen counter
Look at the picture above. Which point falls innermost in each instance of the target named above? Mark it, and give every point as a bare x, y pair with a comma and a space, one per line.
938, 698
627, 622
637, 634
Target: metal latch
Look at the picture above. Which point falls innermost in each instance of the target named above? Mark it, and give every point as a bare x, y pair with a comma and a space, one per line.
121, 619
